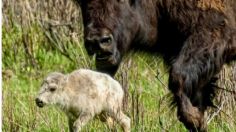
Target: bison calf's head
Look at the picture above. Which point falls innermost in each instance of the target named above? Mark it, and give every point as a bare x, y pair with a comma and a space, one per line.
51, 91
109, 27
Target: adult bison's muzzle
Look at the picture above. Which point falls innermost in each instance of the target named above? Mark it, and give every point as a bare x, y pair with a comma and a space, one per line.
105, 51
108, 64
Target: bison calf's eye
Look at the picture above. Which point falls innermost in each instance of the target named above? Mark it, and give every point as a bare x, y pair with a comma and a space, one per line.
52, 89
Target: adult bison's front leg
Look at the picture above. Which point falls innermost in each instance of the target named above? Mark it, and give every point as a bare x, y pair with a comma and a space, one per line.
192, 75
191, 116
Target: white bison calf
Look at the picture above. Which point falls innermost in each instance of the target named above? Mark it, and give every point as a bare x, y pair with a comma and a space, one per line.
83, 94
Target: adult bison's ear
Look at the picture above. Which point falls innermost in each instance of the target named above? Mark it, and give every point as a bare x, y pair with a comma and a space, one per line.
121, 0
131, 2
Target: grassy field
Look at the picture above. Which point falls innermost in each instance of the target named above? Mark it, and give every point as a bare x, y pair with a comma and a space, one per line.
40, 37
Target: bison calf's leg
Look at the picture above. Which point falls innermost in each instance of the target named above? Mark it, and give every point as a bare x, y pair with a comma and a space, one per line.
83, 119
122, 119
104, 117
110, 124
71, 123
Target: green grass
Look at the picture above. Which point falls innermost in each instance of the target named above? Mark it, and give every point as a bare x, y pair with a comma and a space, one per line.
149, 98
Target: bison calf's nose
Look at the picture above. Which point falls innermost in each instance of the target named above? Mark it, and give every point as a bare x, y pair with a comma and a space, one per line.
39, 102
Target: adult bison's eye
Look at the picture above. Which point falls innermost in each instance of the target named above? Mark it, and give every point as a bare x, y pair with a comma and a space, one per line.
121, 0
105, 40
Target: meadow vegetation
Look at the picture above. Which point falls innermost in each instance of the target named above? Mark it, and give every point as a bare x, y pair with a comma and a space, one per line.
43, 36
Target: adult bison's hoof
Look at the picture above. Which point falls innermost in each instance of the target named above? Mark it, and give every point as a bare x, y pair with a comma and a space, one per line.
192, 118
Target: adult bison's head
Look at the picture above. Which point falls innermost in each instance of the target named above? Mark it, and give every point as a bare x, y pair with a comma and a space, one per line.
109, 27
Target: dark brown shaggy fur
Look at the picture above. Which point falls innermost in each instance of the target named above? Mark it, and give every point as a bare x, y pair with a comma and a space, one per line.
195, 38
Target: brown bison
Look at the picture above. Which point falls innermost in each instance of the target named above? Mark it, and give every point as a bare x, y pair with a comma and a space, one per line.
195, 38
